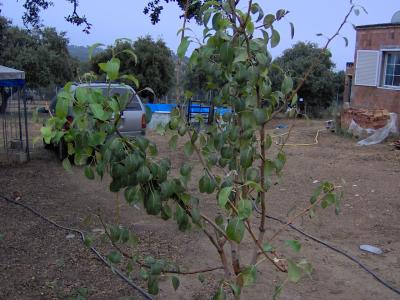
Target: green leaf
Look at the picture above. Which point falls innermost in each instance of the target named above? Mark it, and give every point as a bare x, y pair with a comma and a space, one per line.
269, 20
346, 41
248, 276
215, 21
277, 291
262, 59
295, 245
153, 203
88, 241
115, 233
240, 55
280, 161
92, 48
98, 111
235, 230
166, 212
47, 134
173, 142
183, 47
223, 196
268, 141
111, 68
133, 195
89, 173
236, 290
188, 148
152, 285
194, 58
62, 105
244, 208
227, 53
182, 219
294, 272
131, 78
175, 282
114, 257
316, 194
291, 30
267, 247
1, 237
287, 85
186, 169
250, 26
143, 174
280, 14
153, 149
156, 268
131, 53
67, 165
148, 114
220, 295
275, 38
160, 129
255, 7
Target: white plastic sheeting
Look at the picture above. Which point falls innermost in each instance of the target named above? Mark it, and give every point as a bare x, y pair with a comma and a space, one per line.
376, 135
157, 117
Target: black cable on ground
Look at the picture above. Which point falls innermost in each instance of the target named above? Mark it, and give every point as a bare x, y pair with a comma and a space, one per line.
93, 249
334, 248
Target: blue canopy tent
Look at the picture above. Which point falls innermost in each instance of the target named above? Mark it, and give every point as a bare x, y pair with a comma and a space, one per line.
11, 78
13, 112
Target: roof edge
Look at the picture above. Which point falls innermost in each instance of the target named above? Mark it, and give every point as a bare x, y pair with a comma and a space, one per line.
382, 25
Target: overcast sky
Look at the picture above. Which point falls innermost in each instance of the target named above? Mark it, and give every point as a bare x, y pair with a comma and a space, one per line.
125, 18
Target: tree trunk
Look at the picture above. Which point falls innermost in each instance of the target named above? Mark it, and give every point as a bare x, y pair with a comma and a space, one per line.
4, 99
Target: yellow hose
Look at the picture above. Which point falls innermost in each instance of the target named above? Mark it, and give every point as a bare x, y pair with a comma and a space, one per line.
298, 145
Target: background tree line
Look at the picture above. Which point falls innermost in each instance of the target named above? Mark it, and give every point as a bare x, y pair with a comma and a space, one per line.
48, 60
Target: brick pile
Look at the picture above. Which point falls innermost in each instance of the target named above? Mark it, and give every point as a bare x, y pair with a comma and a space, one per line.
366, 118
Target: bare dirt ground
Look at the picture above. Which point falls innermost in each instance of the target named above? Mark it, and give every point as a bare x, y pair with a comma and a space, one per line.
37, 261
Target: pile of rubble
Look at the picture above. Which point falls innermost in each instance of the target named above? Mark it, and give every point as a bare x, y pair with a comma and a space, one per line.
365, 118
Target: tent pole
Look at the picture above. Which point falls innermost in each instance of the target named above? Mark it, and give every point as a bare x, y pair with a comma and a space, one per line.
28, 155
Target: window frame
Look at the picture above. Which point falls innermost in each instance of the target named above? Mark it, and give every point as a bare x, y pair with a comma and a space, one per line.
383, 69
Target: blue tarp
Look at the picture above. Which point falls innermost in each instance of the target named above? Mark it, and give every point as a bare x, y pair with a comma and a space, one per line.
194, 108
161, 107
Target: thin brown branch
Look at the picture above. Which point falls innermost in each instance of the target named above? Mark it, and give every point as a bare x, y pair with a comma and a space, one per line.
278, 263
317, 58
129, 256
295, 217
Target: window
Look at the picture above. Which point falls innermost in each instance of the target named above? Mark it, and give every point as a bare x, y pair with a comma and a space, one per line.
392, 69
367, 66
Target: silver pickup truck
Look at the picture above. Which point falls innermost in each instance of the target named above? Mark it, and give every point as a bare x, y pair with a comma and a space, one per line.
133, 122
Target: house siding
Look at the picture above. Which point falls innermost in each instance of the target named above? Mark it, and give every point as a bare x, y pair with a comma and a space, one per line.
385, 36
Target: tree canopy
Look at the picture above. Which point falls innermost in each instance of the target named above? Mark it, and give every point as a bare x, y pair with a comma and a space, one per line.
323, 84
43, 55
153, 8
154, 66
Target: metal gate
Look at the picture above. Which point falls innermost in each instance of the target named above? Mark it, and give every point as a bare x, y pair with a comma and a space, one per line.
14, 143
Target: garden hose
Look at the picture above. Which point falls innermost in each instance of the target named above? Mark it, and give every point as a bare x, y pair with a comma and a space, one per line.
334, 248
149, 297
93, 249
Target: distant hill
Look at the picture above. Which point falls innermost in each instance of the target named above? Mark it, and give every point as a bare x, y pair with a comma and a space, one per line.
81, 52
